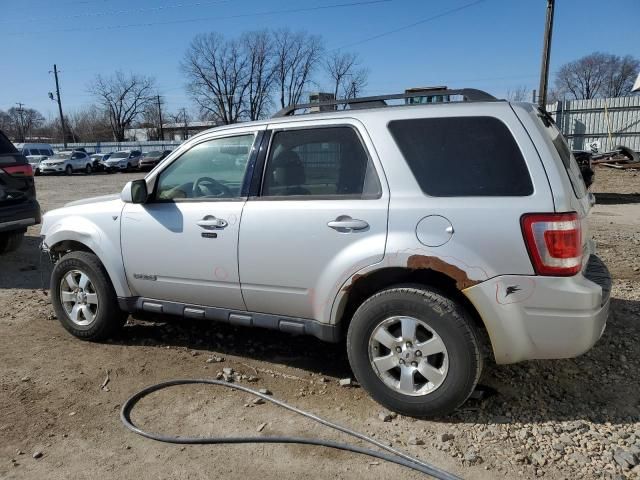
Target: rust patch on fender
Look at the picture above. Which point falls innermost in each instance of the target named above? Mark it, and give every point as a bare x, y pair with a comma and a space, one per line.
354, 279
416, 262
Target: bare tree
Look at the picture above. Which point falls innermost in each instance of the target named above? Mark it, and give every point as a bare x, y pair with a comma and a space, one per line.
621, 75
181, 117
20, 123
87, 124
258, 50
597, 75
151, 120
296, 58
216, 71
124, 98
355, 83
339, 67
518, 94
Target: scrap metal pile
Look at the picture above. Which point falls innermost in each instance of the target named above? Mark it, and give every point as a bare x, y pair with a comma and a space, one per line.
619, 158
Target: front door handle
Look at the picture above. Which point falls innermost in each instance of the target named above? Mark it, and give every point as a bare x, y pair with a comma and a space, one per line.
210, 221
346, 224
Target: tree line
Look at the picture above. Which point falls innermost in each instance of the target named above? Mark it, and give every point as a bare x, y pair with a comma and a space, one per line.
231, 80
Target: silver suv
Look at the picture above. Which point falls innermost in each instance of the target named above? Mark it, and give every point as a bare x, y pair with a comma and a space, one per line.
424, 234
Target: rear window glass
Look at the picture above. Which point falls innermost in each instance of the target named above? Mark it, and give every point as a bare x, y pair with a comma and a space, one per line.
463, 156
568, 160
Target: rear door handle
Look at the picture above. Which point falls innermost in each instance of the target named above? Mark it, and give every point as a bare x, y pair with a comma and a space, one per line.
347, 224
212, 222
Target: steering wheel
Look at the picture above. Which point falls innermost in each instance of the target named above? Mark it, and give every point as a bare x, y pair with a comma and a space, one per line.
218, 190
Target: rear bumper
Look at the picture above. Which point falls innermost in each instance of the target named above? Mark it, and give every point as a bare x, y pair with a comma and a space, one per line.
19, 216
535, 317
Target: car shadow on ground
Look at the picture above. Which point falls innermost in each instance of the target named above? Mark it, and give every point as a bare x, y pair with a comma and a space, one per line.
616, 198
599, 386
27, 267
216, 338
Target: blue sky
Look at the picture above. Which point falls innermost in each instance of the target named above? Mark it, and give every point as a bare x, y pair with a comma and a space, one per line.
492, 44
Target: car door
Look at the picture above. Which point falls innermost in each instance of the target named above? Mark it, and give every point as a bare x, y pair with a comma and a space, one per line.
319, 217
181, 245
77, 160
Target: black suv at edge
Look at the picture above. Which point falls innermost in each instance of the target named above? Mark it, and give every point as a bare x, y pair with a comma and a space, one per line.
18, 205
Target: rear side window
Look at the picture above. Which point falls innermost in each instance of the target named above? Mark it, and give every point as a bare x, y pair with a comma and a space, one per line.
463, 156
328, 162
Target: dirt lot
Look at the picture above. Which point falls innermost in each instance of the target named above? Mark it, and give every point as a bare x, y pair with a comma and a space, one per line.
577, 418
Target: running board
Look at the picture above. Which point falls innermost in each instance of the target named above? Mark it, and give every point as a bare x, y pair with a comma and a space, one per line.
294, 325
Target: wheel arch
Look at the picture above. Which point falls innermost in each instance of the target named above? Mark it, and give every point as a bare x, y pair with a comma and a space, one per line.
364, 286
65, 241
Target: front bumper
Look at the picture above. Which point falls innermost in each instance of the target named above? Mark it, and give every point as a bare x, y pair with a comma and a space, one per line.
536, 317
52, 168
114, 167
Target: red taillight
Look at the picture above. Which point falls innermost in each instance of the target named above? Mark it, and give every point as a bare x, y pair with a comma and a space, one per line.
24, 170
554, 241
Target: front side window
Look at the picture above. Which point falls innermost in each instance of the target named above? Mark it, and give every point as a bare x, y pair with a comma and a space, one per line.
210, 170
319, 162
463, 156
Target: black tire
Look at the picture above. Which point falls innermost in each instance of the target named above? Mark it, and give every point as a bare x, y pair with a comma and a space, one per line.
10, 241
68, 170
88, 169
109, 319
452, 325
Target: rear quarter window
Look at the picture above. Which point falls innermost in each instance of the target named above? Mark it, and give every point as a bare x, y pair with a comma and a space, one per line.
462, 156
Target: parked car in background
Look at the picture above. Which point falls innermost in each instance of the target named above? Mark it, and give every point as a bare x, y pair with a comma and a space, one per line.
98, 160
78, 149
123, 160
35, 153
67, 162
152, 158
439, 232
18, 205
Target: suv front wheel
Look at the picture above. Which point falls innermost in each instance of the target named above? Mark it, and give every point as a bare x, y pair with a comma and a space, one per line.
415, 351
83, 297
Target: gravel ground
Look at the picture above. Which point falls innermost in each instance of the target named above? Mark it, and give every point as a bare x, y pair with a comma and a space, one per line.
576, 418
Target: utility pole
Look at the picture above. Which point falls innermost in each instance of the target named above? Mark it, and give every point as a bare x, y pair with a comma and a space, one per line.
160, 115
55, 74
22, 137
546, 55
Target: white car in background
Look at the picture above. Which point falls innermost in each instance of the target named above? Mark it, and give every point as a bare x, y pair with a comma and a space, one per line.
123, 160
67, 162
35, 153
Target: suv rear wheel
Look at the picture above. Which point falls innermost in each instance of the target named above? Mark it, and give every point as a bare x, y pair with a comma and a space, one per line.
83, 297
415, 351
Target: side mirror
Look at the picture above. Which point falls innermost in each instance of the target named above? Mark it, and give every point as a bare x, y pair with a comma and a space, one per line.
134, 192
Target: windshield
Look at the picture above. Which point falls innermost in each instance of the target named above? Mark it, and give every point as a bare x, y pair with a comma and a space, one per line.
62, 156
153, 154
120, 155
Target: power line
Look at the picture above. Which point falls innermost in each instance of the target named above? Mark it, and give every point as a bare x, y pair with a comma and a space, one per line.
410, 25
205, 19
119, 12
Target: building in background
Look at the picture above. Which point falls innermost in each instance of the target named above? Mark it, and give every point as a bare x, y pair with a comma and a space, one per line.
321, 97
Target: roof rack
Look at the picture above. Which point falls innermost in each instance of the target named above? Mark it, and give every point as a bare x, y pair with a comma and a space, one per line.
469, 95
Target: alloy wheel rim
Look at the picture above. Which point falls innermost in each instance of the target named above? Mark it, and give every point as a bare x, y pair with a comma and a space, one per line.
408, 355
79, 298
